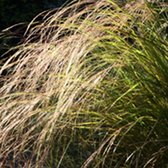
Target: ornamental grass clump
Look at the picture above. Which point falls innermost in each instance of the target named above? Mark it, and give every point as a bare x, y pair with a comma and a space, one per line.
88, 88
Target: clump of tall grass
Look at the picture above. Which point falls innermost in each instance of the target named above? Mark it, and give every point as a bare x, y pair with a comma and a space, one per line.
88, 88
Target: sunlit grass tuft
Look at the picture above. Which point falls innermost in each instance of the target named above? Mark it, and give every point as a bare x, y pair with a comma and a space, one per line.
88, 89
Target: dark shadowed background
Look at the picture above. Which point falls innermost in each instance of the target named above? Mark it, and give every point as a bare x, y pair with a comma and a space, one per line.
20, 13
12, 12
